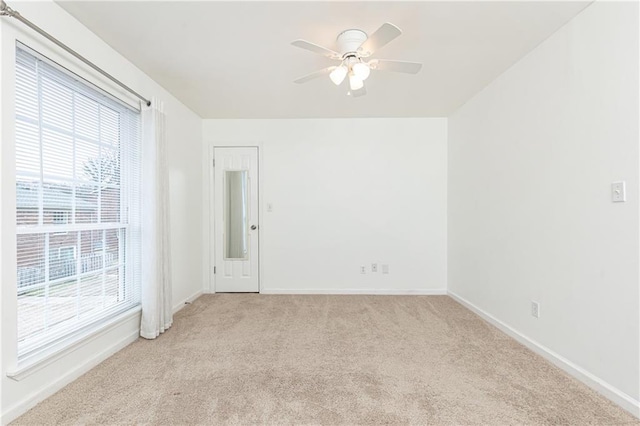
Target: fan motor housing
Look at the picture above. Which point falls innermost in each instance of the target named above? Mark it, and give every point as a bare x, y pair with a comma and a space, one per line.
348, 41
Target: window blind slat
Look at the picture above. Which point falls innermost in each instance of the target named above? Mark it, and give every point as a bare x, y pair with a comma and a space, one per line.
77, 167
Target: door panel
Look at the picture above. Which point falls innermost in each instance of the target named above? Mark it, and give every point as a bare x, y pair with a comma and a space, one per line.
236, 220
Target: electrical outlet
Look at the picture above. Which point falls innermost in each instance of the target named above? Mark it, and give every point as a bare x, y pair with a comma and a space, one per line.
385, 268
374, 267
363, 269
535, 309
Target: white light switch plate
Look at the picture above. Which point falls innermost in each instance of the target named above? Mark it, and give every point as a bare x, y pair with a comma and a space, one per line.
618, 193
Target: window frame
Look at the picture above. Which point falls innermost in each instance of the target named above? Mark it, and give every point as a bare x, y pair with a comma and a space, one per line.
55, 340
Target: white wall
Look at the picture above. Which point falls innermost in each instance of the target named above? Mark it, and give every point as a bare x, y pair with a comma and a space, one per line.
184, 135
345, 193
531, 160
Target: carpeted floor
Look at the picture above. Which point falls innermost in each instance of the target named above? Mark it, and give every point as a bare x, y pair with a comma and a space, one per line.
331, 360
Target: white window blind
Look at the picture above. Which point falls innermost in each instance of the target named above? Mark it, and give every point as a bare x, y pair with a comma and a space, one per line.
78, 204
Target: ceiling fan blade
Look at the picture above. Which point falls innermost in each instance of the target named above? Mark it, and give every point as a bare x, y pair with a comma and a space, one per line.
360, 92
383, 35
395, 66
303, 44
313, 75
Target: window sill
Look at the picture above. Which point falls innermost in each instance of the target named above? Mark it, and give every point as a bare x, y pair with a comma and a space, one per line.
32, 364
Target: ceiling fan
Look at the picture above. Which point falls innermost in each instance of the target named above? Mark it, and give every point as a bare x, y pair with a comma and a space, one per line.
354, 48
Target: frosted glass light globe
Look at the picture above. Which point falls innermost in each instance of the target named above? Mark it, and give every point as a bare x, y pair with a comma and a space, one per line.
355, 82
361, 70
338, 75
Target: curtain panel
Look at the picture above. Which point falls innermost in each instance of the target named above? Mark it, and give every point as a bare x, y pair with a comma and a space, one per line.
157, 315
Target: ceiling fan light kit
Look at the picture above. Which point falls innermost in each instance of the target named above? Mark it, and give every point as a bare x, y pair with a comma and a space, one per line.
355, 82
361, 70
354, 47
338, 74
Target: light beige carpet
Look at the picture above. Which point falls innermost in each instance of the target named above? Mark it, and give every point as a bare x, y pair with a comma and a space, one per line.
331, 360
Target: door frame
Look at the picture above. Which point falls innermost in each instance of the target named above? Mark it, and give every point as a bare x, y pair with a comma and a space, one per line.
208, 197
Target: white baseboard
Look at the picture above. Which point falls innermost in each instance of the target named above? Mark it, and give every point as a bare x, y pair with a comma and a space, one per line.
363, 291
186, 301
611, 392
43, 393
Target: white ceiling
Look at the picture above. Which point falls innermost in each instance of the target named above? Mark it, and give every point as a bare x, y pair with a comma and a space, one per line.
234, 59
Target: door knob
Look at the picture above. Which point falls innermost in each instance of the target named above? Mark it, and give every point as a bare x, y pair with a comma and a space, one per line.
253, 227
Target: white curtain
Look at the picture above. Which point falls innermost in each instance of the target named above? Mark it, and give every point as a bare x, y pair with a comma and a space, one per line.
157, 315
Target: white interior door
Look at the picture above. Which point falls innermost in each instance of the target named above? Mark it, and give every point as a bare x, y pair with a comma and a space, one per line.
236, 219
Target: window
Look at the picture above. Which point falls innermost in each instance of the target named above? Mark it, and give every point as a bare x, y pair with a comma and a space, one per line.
78, 203
61, 217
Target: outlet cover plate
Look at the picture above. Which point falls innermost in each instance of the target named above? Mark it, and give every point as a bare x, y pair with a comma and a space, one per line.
535, 309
